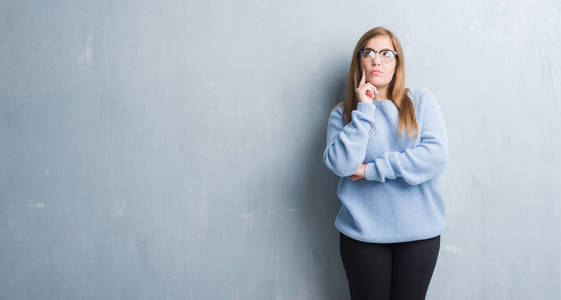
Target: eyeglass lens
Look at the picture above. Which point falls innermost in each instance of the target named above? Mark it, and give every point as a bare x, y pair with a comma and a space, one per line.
385, 55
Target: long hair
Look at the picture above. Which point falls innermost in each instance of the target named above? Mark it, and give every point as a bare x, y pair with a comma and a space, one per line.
397, 92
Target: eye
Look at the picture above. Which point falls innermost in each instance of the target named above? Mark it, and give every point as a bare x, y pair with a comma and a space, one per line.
366, 53
387, 54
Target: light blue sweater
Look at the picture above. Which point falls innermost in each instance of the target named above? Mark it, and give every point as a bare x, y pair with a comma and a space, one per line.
399, 199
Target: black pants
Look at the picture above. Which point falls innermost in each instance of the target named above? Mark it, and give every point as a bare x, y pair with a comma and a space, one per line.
392, 271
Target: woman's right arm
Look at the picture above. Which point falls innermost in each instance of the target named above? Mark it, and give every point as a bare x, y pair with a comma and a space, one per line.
346, 145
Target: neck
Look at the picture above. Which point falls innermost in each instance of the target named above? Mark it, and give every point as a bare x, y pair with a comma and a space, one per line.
382, 93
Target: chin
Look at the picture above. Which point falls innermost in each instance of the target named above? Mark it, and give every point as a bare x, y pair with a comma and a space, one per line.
376, 83
379, 83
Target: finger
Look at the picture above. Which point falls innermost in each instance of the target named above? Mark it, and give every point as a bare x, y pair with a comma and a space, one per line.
373, 87
362, 79
369, 93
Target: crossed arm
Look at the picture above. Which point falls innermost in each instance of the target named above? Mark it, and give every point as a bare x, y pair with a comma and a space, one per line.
346, 148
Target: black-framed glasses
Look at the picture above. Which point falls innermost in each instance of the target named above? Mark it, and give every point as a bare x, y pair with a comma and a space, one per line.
385, 54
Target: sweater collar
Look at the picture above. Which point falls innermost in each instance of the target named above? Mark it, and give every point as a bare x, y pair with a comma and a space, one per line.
383, 102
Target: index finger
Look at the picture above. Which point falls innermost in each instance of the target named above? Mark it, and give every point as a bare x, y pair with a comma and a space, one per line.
362, 79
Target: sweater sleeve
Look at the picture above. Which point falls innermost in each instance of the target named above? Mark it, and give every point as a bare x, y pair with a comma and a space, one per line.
422, 162
346, 144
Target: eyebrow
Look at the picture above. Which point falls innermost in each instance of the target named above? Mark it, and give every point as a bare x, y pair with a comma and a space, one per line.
380, 49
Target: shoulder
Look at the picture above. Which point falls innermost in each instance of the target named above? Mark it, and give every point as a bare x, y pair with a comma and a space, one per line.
422, 98
337, 110
335, 118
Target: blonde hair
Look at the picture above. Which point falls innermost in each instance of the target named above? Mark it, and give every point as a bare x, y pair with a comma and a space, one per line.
397, 92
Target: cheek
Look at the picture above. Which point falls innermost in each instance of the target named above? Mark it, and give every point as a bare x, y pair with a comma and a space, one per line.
388, 77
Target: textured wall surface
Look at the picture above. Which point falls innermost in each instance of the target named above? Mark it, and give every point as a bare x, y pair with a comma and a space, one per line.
172, 149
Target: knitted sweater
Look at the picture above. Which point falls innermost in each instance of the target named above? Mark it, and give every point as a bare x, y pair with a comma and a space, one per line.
399, 199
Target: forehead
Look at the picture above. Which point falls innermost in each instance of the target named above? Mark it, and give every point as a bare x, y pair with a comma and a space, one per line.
379, 42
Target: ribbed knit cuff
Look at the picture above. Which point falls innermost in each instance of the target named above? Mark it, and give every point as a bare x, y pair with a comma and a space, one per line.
367, 108
370, 171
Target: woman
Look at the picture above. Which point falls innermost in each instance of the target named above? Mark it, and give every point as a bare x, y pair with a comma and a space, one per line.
392, 211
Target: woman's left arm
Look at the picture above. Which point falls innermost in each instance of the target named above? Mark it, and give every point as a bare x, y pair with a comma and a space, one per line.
422, 162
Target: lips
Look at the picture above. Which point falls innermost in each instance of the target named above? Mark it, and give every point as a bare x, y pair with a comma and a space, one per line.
375, 72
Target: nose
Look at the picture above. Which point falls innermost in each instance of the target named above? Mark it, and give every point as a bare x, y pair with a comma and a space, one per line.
377, 60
